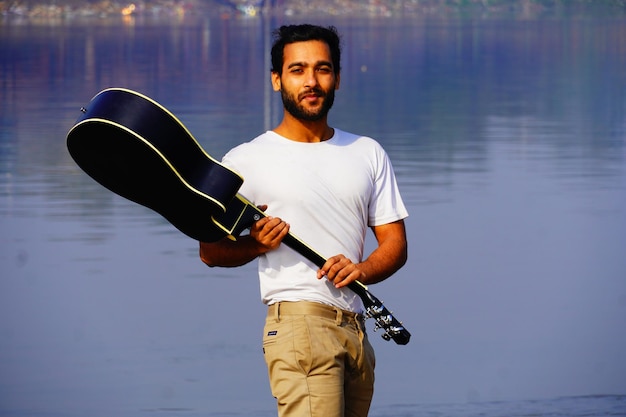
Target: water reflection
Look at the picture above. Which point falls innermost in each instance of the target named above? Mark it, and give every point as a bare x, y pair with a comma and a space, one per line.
554, 81
508, 138
444, 79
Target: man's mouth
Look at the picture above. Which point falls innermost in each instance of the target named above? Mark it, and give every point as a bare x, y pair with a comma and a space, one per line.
311, 95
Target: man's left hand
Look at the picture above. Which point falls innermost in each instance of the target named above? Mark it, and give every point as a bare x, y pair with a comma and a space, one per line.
340, 271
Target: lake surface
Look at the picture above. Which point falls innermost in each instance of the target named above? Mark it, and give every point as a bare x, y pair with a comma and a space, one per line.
508, 137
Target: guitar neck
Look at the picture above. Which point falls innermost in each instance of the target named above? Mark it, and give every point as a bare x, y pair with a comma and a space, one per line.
303, 249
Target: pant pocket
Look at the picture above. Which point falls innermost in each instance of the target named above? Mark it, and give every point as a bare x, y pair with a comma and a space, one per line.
286, 344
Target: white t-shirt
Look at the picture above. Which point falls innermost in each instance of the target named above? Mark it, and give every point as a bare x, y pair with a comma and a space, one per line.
329, 193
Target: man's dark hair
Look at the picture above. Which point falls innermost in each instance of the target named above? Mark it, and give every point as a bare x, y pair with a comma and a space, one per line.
302, 33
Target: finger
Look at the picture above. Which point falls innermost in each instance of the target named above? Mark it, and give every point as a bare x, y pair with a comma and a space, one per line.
263, 226
284, 231
275, 227
348, 275
342, 282
334, 265
323, 271
340, 269
272, 235
259, 224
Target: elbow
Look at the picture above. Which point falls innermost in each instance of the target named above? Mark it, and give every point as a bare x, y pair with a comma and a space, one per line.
403, 261
205, 255
403, 255
207, 261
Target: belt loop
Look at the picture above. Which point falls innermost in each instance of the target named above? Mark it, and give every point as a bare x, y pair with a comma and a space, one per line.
277, 312
339, 318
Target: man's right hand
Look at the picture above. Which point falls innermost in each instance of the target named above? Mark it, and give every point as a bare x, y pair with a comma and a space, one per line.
265, 235
269, 232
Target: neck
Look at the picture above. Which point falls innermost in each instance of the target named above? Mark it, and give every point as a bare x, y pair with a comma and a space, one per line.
304, 131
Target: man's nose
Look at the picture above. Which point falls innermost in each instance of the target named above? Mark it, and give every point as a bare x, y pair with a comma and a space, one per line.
310, 79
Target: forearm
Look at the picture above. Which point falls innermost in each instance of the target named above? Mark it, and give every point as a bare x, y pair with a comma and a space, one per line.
383, 262
386, 259
228, 253
265, 235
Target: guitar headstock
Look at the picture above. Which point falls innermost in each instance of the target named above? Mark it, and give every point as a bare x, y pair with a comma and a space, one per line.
384, 319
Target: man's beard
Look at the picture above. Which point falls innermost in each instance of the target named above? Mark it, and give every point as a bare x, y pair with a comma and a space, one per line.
299, 112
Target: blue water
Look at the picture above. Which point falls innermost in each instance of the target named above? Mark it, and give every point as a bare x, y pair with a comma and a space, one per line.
509, 140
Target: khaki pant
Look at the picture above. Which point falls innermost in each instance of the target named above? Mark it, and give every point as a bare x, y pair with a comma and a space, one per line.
319, 360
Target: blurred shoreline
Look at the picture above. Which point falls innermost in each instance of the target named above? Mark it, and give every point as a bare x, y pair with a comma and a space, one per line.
25, 10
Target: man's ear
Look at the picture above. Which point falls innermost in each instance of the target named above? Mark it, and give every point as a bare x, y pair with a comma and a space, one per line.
276, 81
338, 81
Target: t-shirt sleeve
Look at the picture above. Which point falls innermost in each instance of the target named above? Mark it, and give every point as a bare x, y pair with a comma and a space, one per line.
386, 205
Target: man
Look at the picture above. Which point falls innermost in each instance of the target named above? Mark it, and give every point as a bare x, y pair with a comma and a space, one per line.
330, 186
